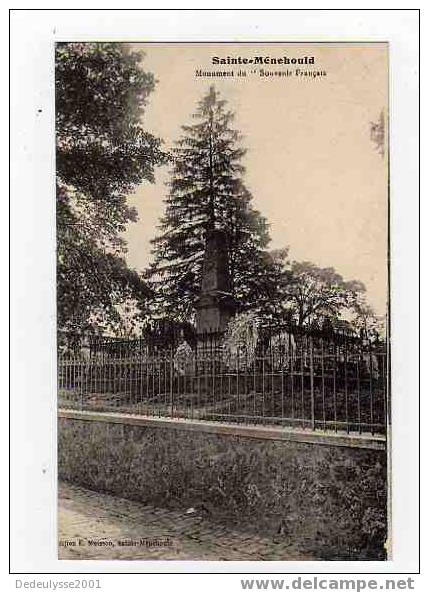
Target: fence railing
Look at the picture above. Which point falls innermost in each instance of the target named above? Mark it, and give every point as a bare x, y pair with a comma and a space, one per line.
288, 378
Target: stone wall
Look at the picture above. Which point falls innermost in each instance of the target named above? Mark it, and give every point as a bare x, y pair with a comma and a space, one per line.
330, 501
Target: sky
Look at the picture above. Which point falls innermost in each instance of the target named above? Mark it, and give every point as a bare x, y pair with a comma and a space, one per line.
311, 165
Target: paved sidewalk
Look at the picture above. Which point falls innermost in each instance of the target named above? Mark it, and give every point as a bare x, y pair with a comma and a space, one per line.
97, 526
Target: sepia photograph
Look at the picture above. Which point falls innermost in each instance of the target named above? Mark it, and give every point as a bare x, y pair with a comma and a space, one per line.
222, 268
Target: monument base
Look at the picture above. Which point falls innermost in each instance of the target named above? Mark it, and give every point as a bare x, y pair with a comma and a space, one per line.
215, 305
213, 313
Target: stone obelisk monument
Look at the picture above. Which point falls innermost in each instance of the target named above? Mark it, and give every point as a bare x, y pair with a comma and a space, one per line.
215, 305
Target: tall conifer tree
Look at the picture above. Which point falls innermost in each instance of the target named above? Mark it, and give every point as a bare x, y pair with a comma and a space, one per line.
206, 192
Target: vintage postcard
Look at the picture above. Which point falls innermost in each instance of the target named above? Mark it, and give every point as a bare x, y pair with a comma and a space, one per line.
222, 301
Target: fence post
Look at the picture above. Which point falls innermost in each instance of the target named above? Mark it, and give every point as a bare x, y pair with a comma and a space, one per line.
171, 383
313, 421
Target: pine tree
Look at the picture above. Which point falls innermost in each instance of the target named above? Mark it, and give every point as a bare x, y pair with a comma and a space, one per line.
207, 192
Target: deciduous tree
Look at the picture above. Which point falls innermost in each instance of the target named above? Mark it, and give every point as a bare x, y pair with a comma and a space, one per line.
311, 294
103, 153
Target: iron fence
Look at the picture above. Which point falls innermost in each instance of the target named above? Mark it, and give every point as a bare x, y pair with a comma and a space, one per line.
286, 377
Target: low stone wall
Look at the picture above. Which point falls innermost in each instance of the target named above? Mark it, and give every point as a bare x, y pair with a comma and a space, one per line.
328, 500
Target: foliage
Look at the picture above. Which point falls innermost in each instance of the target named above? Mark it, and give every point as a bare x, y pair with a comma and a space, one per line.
206, 191
306, 295
184, 359
241, 338
378, 133
367, 323
310, 294
103, 153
